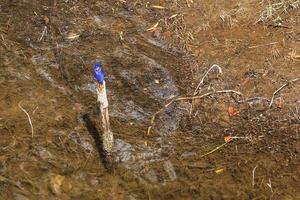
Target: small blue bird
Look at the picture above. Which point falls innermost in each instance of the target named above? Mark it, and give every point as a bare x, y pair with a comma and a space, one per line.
98, 73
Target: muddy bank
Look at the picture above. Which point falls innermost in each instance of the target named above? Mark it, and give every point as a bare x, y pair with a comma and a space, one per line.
47, 54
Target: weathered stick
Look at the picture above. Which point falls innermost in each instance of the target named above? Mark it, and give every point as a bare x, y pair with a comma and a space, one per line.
186, 99
28, 116
108, 139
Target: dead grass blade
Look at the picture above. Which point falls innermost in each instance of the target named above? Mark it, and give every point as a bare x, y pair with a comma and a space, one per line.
154, 27
215, 149
28, 116
274, 13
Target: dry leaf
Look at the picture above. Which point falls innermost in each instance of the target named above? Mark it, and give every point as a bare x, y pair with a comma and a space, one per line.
227, 138
232, 111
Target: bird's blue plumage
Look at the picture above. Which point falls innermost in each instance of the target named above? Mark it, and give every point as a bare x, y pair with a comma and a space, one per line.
98, 73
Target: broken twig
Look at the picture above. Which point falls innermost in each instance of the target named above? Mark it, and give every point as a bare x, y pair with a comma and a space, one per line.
279, 89
28, 116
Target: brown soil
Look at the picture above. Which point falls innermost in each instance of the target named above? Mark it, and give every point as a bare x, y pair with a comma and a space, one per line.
48, 49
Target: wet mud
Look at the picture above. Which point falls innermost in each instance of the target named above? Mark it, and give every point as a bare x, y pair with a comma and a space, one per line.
221, 146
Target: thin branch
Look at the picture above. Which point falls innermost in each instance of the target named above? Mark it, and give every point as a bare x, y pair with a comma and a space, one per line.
186, 99
28, 116
279, 89
205, 75
201, 83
